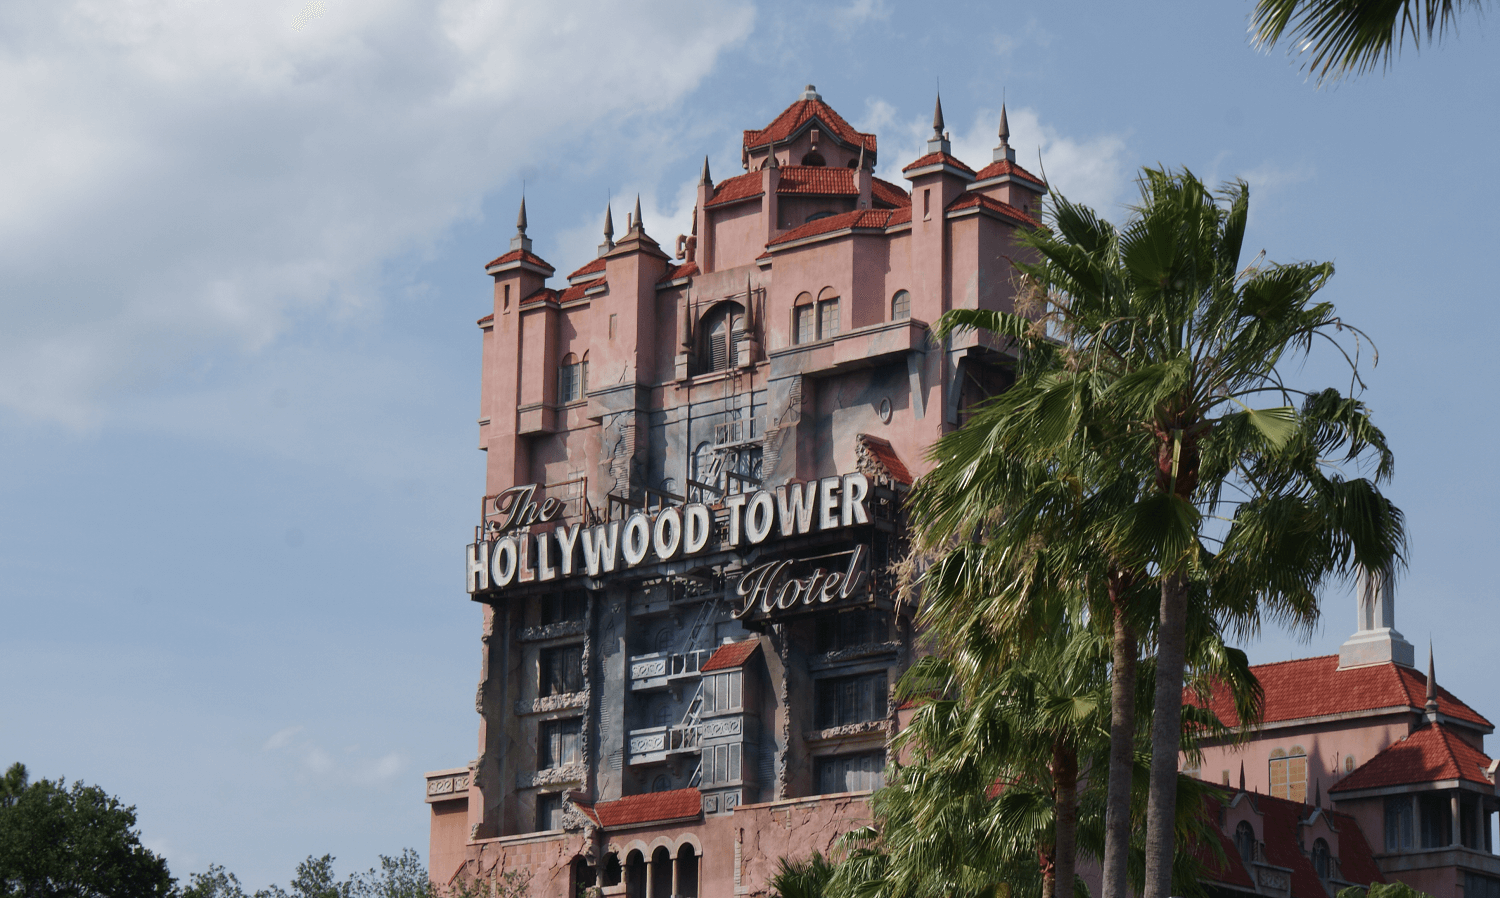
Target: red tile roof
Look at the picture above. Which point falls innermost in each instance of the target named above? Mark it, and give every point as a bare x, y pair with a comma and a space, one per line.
596, 265
886, 455
649, 808
576, 291
793, 117
859, 218
1315, 687
1006, 167
1279, 819
734, 654
970, 200
546, 293
817, 179
739, 187
901, 216
685, 270
935, 158
888, 193
489, 317
521, 255
1429, 755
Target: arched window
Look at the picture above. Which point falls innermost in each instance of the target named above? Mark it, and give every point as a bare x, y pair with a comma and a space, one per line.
1320, 858
1244, 841
723, 328
813, 158
635, 875
1288, 774
661, 873
900, 305
687, 872
817, 215
662, 783
572, 378
828, 318
804, 329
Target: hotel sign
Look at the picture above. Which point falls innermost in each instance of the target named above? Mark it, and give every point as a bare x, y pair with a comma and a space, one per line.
526, 553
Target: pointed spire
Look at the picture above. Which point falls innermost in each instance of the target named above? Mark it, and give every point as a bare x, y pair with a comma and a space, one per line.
1004, 152
636, 218
521, 241
860, 165
772, 163
1432, 703
1242, 776
937, 117
706, 180
609, 231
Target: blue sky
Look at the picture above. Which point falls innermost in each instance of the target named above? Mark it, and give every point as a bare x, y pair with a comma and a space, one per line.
241, 258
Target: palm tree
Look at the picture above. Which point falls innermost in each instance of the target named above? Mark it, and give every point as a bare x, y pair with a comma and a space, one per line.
1162, 342
1342, 37
802, 879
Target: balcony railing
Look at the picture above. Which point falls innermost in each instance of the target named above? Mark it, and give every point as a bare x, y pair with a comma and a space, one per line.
651, 744
660, 669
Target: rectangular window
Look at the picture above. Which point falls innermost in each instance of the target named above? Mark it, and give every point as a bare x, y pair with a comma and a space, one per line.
927, 203
559, 741
862, 626
828, 319
561, 670
1479, 886
568, 606
845, 700
721, 764
804, 322
1435, 821
722, 692
1398, 823
567, 383
614, 321
549, 812
1289, 776
851, 773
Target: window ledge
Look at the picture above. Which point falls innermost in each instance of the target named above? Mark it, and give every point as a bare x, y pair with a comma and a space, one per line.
552, 776
863, 728
551, 631
566, 701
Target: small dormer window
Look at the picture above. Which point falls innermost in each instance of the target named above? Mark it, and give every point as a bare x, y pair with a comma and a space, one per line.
814, 158
723, 329
1244, 841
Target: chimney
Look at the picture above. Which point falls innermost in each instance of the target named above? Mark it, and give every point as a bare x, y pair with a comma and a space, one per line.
1376, 641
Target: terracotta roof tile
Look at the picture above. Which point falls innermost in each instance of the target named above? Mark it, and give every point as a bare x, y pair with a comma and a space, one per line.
1006, 167
685, 270
488, 318
793, 117
882, 191
1278, 830
576, 291
739, 187
544, 294
935, 158
817, 179
731, 655
886, 455
901, 216
519, 255
1315, 687
1429, 755
649, 808
970, 200
596, 265
859, 218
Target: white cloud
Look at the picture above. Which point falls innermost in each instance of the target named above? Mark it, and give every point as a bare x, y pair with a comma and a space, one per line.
185, 177
281, 738
859, 12
1092, 170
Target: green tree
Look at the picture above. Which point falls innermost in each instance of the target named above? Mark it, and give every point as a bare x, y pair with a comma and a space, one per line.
216, 882
72, 842
1162, 342
1342, 37
802, 878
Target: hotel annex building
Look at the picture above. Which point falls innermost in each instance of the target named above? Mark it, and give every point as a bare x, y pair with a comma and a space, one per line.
695, 460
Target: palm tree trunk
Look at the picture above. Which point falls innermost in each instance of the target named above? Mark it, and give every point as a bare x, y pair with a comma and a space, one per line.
1121, 748
1049, 871
1065, 809
1166, 736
